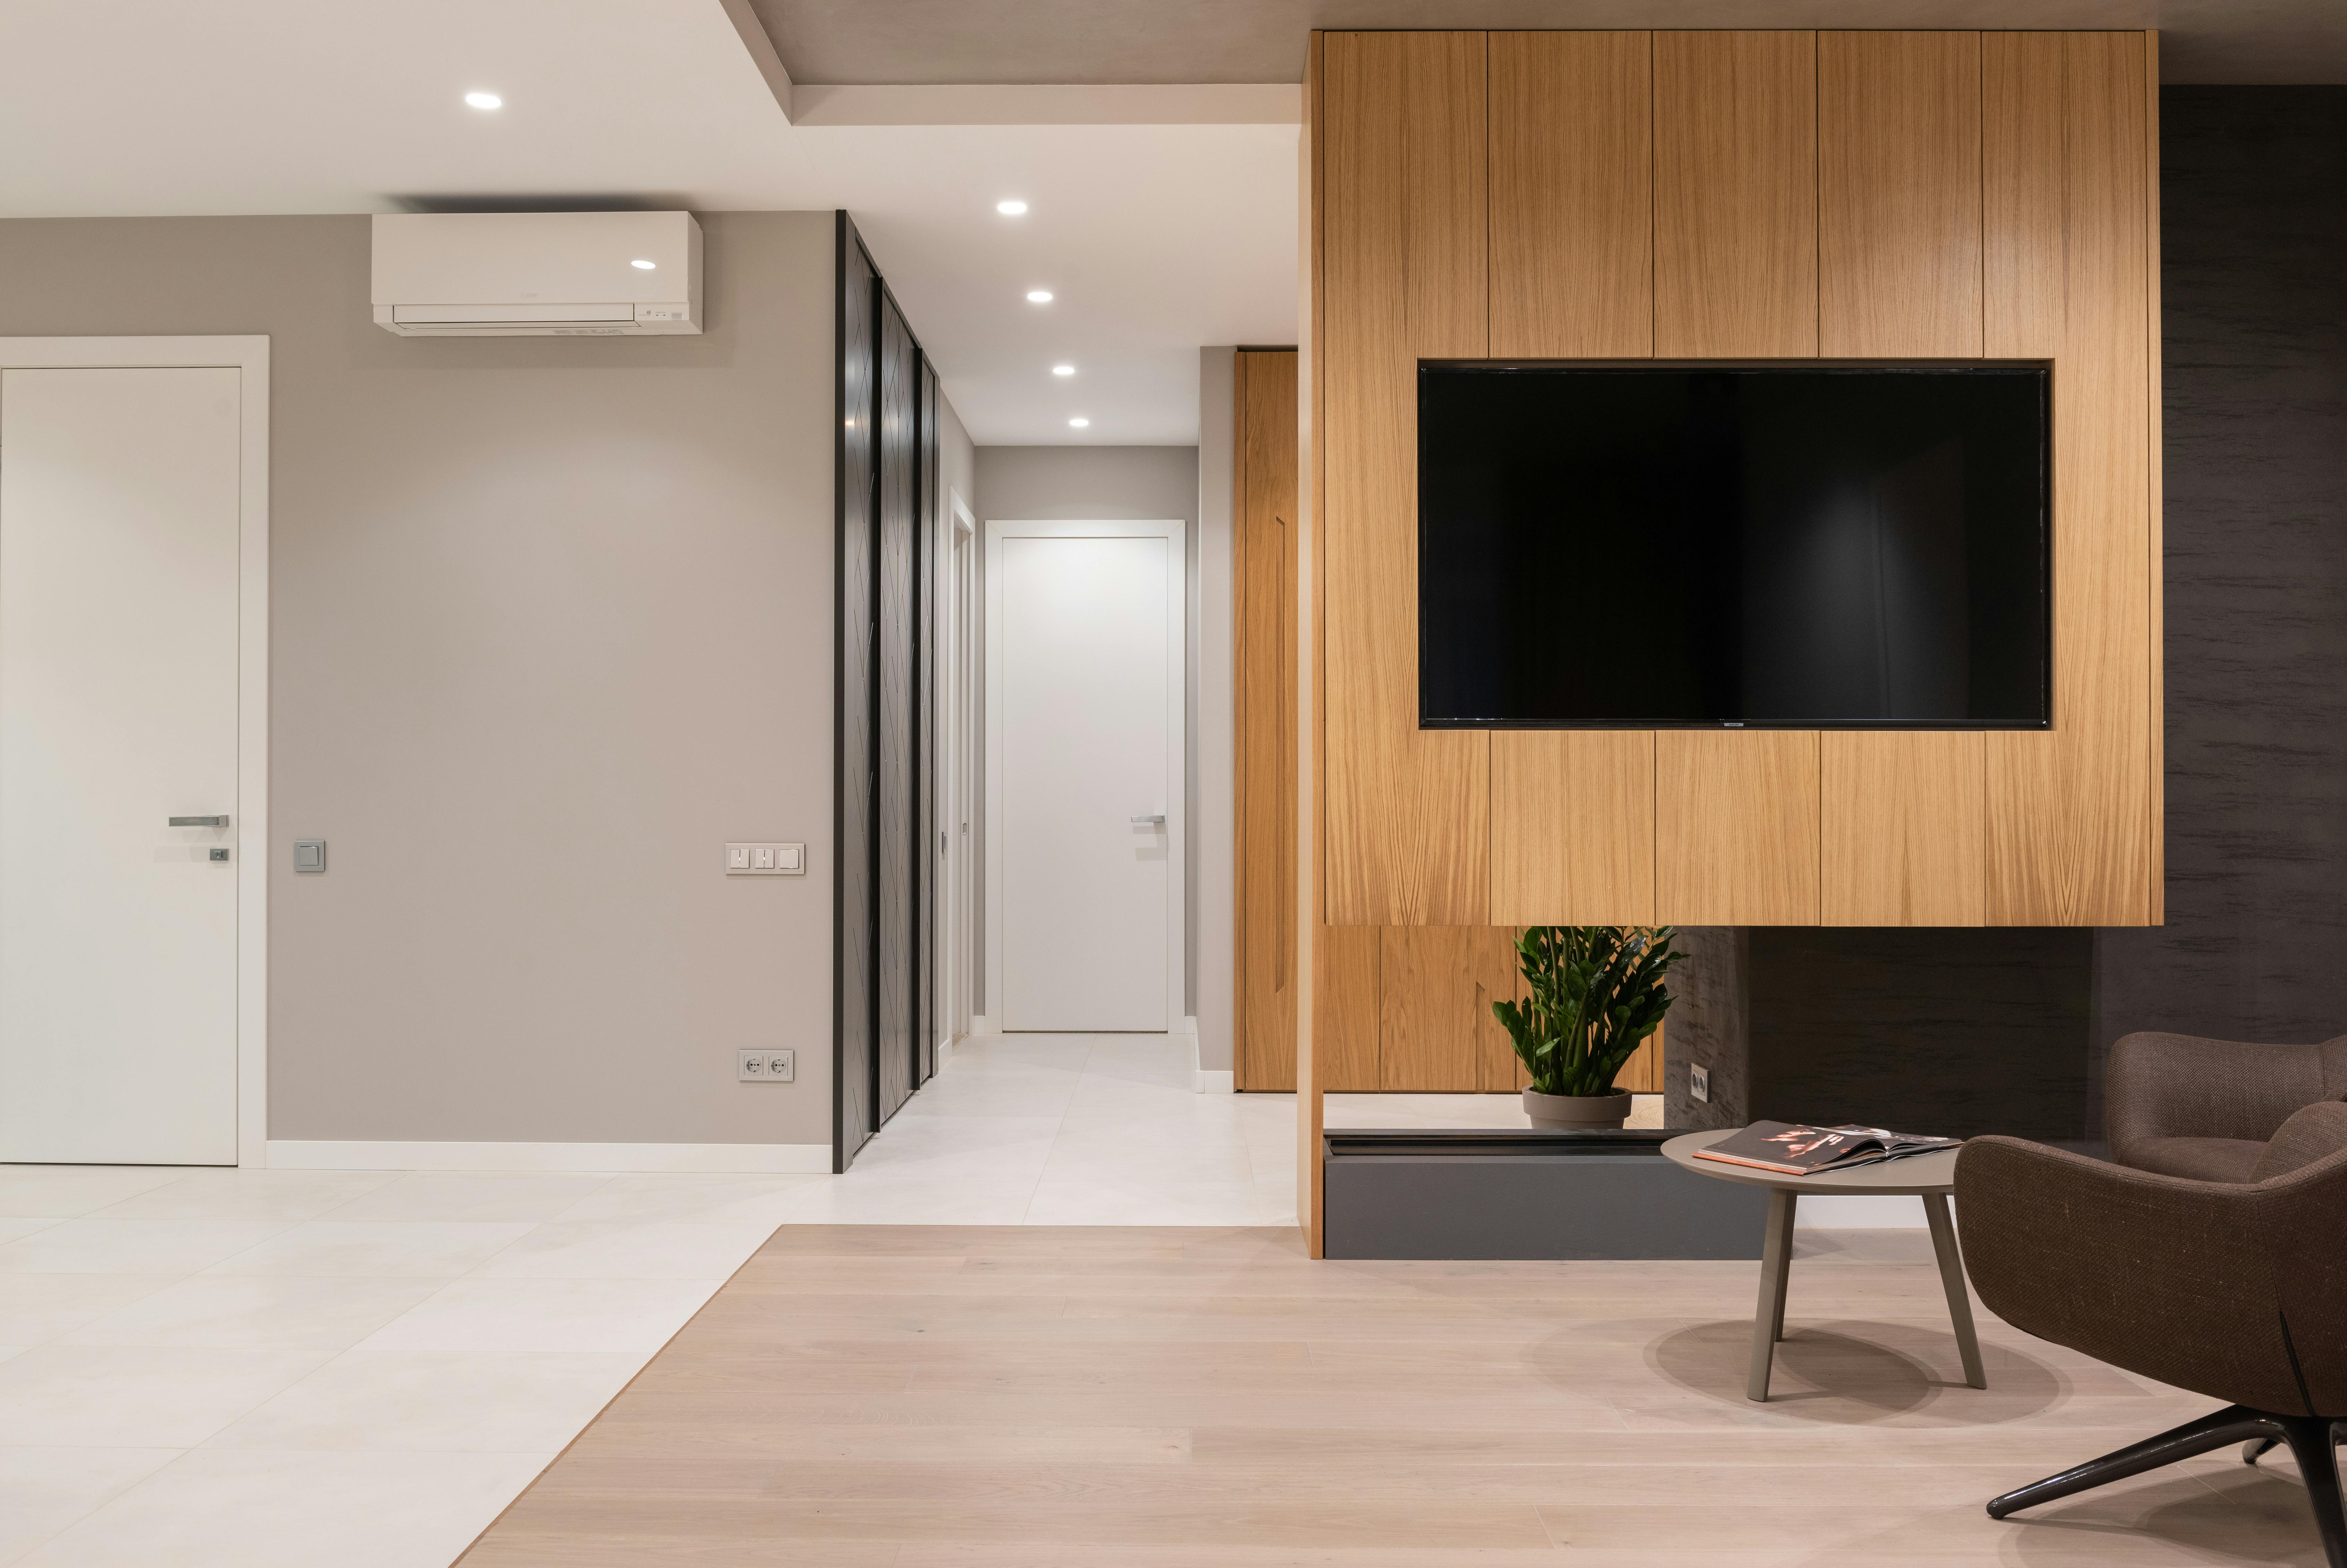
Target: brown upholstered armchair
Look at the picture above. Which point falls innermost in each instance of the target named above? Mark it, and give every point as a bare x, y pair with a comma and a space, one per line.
2236, 1290
2206, 1108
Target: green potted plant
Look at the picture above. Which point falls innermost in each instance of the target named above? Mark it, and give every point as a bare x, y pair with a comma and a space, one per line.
1593, 995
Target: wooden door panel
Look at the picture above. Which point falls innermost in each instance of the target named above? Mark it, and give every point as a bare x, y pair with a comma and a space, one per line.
1262, 590
1346, 964
1573, 827
1902, 820
1735, 828
1735, 233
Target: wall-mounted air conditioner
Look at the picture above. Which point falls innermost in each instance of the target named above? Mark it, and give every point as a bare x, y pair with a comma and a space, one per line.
536, 274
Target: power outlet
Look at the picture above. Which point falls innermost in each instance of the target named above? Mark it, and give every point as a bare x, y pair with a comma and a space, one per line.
1699, 1082
766, 1066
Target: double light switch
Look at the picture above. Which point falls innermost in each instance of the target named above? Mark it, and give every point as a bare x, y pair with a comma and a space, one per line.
765, 860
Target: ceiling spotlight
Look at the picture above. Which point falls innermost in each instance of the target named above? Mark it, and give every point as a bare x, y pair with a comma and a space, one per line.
1039, 296
1012, 208
485, 100
1078, 422
642, 265
1063, 370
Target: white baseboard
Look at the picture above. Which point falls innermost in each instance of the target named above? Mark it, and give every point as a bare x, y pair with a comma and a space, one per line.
1208, 1079
1839, 1212
743, 1159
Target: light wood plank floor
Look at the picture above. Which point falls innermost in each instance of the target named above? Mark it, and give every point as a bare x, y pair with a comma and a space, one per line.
907, 1397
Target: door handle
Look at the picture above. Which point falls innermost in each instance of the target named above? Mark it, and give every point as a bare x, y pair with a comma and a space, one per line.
200, 822
1159, 820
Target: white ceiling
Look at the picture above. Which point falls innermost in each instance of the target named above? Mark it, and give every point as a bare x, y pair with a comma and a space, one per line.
1155, 238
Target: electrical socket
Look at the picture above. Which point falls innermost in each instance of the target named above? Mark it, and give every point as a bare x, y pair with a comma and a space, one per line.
1699, 1082
766, 1066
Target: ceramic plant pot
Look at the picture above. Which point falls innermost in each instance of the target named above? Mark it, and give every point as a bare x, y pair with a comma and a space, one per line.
1576, 1113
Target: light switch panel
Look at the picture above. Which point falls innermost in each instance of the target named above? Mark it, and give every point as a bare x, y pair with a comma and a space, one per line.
765, 860
309, 854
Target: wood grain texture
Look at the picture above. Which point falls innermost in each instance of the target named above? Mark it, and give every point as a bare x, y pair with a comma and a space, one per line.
1346, 1001
1432, 981
1572, 195
2156, 507
1499, 976
1901, 828
1735, 195
1264, 529
1573, 827
1735, 828
1898, 195
1404, 275
2067, 265
1642, 1074
1138, 1397
1311, 687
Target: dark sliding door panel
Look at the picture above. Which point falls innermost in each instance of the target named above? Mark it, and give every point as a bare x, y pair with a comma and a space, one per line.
896, 909
929, 860
852, 813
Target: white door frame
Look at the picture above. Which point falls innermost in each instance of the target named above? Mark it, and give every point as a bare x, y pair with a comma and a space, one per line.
1175, 531
249, 356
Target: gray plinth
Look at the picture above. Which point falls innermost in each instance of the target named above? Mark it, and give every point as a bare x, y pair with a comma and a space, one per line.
1478, 1195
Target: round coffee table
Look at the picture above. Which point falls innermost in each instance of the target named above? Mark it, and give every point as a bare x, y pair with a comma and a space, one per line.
1928, 1177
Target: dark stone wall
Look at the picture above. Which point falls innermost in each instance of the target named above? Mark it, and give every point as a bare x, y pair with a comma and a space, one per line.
1709, 1011
2253, 198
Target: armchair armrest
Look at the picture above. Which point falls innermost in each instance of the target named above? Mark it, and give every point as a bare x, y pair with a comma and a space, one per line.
2173, 1279
2179, 1086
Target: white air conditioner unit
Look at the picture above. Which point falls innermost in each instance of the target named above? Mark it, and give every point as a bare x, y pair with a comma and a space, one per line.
536, 274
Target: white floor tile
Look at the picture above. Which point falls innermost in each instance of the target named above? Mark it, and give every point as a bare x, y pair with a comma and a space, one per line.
258, 1312
388, 1402
839, 1203
236, 1194
432, 1195
523, 1314
383, 1248
43, 1490
134, 1246
123, 1395
221, 1508
690, 1200
658, 1250
64, 1192
1100, 1202
11, 1228
35, 1307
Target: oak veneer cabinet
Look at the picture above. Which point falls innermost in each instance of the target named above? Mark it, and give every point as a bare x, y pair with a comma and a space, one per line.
1930, 197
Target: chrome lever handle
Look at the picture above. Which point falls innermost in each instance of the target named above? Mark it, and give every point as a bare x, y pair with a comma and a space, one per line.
200, 822
1160, 819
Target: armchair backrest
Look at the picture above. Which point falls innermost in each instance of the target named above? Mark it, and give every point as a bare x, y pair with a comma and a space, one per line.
2234, 1290
2181, 1086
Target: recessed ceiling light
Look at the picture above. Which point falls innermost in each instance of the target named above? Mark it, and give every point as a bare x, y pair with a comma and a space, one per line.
1078, 422
643, 265
485, 100
1063, 370
1011, 209
1039, 296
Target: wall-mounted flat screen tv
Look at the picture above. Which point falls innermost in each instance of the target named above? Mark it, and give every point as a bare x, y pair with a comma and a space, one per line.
1795, 547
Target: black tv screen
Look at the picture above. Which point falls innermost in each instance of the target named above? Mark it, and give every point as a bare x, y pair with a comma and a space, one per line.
1633, 546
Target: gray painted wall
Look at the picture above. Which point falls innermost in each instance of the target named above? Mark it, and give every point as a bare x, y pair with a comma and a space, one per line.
1036, 483
2254, 290
551, 621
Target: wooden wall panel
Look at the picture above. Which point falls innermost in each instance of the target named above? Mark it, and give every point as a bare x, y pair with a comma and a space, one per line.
1264, 643
1573, 827
1347, 996
1736, 189
2067, 263
1572, 195
1902, 819
1898, 195
1432, 981
1404, 275
1735, 828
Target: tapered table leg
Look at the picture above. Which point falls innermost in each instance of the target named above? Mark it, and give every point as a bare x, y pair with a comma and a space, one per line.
1951, 1276
1769, 1318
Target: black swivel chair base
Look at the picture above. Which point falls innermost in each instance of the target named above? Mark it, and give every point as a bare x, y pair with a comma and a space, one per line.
2311, 1438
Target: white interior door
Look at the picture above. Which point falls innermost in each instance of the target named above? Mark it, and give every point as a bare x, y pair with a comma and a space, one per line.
1084, 638
119, 685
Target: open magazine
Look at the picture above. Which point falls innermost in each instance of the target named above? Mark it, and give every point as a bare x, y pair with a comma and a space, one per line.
1804, 1151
